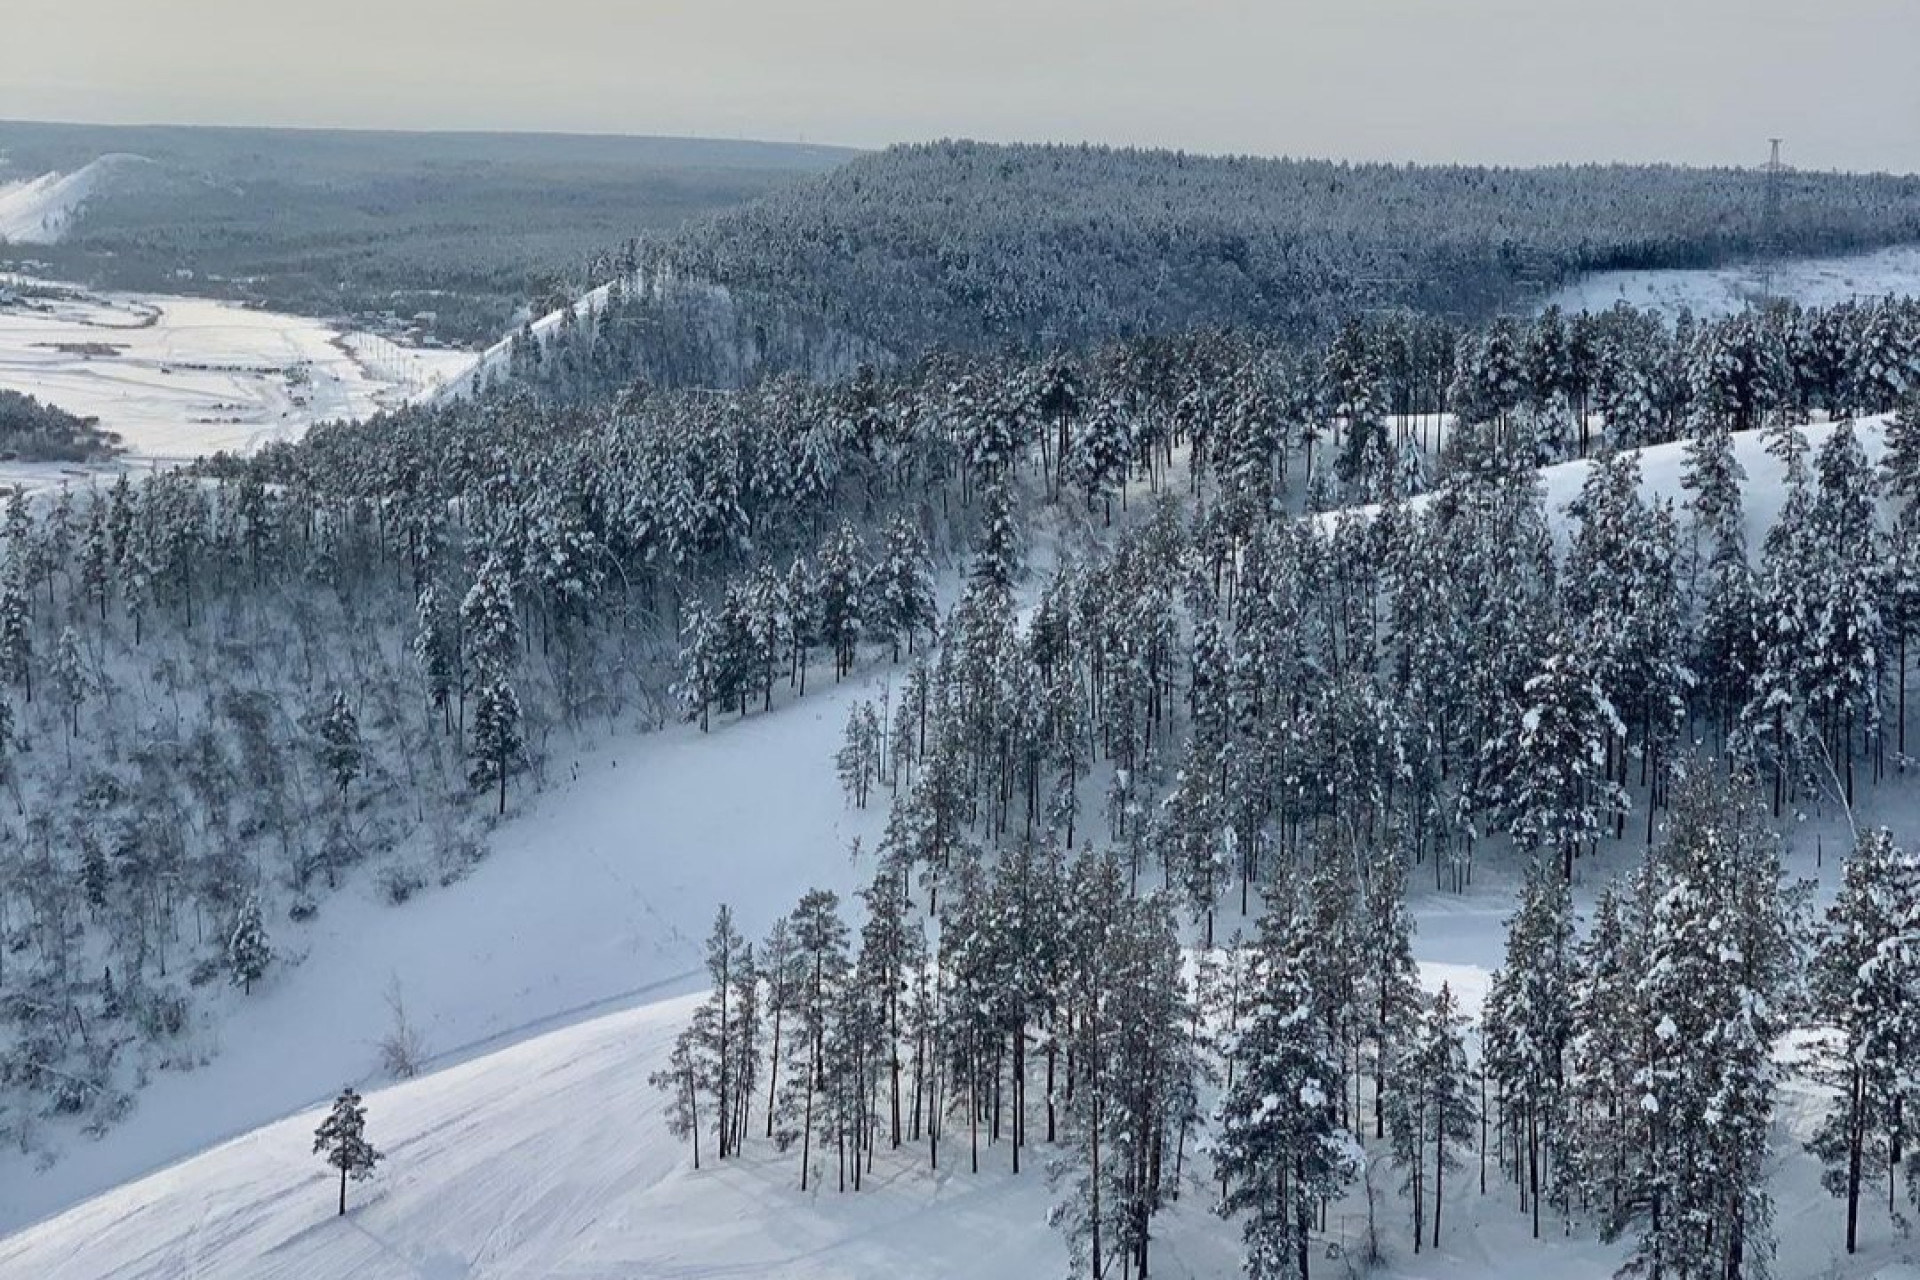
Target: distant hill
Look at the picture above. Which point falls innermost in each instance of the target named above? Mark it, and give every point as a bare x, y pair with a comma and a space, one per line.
974, 245
471, 227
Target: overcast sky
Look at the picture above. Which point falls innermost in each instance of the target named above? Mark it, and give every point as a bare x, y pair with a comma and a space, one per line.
1522, 81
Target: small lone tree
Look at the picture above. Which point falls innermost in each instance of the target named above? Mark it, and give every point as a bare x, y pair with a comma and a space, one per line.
342, 1139
247, 949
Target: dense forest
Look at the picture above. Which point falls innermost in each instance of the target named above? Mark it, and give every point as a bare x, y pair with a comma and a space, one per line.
985, 247
36, 432
232, 687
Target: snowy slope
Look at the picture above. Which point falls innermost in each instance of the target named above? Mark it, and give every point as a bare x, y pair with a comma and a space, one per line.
551, 1159
43, 209
1723, 291
593, 894
1662, 465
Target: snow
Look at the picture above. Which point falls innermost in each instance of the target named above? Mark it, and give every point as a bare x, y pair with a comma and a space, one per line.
551, 1159
42, 210
1724, 291
1763, 493
597, 894
180, 377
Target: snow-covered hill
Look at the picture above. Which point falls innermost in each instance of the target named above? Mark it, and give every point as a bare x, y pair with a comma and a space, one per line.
538, 1148
43, 209
594, 895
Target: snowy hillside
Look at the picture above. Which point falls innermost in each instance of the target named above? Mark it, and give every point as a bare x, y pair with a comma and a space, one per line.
1723, 291
538, 1147
1661, 467
594, 896
43, 209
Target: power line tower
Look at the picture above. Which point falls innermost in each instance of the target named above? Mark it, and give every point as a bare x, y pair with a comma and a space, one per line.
1770, 215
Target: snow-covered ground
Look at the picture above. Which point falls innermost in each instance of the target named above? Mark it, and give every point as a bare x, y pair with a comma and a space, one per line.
1724, 291
181, 377
41, 210
549, 984
597, 893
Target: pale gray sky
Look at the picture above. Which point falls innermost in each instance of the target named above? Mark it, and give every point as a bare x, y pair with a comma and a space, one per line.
1522, 81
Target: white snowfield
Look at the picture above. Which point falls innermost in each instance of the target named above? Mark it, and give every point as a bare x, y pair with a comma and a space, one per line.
1724, 291
181, 377
41, 210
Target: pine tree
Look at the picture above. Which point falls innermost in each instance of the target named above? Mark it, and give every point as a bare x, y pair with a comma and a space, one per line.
342, 1139
247, 951
1529, 1024
1433, 1108
342, 753
71, 682
1712, 992
1281, 1149
820, 947
436, 651
1392, 979
1865, 988
497, 745
16, 632
1557, 794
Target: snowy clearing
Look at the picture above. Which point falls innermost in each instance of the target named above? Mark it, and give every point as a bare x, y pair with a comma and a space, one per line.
1725, 291
178, 378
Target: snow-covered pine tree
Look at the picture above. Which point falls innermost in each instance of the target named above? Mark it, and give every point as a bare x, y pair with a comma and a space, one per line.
1844, 671
342, 752
1434, 1111
1557, 794
1720, 956
900, 587
1281, 1150
781, 966
342, 1139
248, 952
1528, 1024
71, 682
839, 590
724, 953
436, 651
16, 631
691, 1071
820, 949
1392, 979
497, 745
1864, 984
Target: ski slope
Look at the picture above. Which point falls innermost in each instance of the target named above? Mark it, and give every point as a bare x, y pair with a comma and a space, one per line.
42, 210
592, 895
